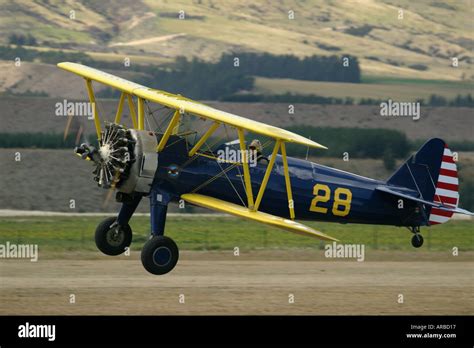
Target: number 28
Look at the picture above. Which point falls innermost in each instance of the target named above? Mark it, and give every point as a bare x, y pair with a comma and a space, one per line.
342, 199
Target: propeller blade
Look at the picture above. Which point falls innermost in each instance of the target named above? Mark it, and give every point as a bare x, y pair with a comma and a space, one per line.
106, 201
80, 131
110, 191
68, 126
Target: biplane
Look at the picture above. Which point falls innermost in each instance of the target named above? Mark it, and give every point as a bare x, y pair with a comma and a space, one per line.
167, 166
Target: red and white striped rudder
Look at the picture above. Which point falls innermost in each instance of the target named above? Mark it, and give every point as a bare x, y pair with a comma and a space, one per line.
447, 187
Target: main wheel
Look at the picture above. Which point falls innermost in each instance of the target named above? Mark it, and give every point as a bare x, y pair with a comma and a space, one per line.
111, 238
417, 240
159, 255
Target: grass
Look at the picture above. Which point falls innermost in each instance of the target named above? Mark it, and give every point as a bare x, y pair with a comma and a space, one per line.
401, 89
386, 80
225, 233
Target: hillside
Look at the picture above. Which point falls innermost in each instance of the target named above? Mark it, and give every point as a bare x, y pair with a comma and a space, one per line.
28, 114
419, 45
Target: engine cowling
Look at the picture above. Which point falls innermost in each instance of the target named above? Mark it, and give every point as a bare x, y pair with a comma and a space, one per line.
126, 159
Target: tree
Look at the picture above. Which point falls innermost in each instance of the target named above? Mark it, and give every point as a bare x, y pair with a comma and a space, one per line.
388, 159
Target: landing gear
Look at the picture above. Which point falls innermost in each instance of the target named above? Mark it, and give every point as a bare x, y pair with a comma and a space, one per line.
417, 239
159, 255
112, 238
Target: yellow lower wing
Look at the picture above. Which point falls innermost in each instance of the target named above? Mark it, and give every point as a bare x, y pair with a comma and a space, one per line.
238, 210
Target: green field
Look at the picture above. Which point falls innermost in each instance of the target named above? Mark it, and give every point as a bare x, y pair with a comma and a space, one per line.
59, 234
395, 89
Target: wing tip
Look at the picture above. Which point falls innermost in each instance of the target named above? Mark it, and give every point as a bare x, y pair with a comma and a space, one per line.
329, 238
312, 143
64, 65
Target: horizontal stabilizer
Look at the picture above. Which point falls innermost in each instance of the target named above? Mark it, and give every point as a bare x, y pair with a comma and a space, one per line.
438, 205
240, 211
431, 174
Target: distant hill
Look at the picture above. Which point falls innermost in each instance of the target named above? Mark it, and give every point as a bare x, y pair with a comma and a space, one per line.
29, 114
418, 43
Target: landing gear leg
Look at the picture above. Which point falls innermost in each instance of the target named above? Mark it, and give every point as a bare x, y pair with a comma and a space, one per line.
114, 235
159, 254
417, 239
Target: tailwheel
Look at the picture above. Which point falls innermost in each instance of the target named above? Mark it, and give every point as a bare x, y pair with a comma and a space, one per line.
111, 238
417, 239
159, 255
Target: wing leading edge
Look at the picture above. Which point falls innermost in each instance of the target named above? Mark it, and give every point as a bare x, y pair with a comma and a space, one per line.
187, 105
240, 211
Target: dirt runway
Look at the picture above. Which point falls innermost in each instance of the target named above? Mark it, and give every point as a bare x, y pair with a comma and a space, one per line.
260, 283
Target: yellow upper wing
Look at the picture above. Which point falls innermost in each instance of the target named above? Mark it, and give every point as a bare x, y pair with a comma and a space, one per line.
187, 105
238, 210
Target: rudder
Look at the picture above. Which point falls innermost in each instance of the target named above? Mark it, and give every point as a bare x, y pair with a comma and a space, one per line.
432, 172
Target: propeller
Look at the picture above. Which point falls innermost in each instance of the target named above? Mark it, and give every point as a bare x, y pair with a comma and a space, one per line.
112, 158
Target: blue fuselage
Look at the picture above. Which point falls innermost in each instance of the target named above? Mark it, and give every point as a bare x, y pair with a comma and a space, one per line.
319, 192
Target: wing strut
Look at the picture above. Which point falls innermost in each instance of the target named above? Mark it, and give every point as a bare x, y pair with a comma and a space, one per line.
291, 204
141, 114
174, 121
133, 114
264, 183
245, 165
203, 139
118, 115
90, 91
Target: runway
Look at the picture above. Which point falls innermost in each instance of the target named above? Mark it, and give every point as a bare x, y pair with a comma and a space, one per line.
265, 282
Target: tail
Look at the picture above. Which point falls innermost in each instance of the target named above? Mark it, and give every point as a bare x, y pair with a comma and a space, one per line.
432, 172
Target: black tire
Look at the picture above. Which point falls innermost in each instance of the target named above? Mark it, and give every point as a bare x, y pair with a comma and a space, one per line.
159, 255
417, 240
112, 240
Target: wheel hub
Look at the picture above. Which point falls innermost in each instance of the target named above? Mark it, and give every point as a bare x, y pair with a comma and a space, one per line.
162, 256
115, 236
104, 152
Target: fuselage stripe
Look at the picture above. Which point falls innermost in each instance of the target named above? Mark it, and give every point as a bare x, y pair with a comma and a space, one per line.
446, 186
449, 166
448, 180
447, 172
441, 212
438, 218
446, 200
448, 159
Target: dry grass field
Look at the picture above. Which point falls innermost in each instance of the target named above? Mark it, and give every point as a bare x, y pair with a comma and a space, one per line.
33, 115
402, 91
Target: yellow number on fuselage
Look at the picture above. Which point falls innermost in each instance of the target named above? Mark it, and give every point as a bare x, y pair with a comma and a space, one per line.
338, 202
324, 198
344, 201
